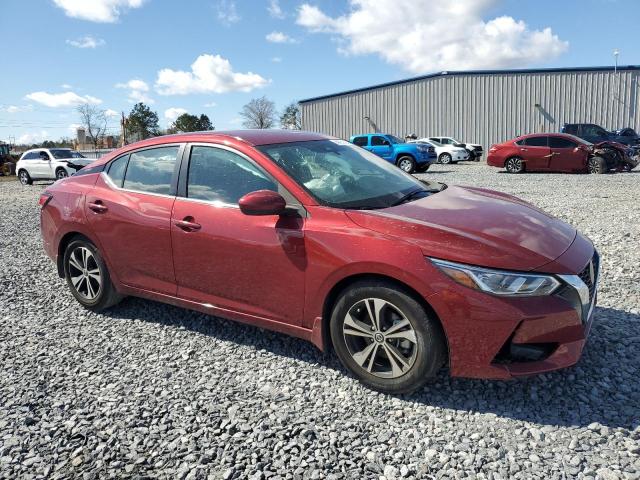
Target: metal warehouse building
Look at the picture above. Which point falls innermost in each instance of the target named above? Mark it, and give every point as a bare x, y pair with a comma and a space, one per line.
484, 106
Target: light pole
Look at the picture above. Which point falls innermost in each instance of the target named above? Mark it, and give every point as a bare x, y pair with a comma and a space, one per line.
616, 52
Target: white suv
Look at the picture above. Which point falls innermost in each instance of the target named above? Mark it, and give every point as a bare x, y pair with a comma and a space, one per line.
49, 164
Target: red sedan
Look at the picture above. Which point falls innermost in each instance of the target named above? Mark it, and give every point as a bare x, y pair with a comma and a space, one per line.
548, 152
312, 236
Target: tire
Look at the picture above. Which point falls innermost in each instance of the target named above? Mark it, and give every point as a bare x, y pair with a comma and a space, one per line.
514, 165
597, 165
61, 173
88, 277
24, 177
418, 348
445, 158
406, 164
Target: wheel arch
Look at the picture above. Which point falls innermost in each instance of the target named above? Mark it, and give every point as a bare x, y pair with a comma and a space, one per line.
405, 154
64, 242
346, 282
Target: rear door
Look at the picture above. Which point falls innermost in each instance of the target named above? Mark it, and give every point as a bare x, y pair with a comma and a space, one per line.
565, 155
381, 146
253, 265
535, 152
129, 210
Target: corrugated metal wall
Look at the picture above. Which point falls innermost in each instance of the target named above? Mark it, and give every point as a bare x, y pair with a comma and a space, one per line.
482, 108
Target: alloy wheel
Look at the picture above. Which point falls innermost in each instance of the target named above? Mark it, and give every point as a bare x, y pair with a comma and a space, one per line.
445, 158
380, 338
406, 165
61, 173
84, 273
24, 177
594, 166
514, 165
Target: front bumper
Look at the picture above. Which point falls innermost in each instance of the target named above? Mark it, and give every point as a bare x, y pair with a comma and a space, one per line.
426, 157
460, 156
505, 337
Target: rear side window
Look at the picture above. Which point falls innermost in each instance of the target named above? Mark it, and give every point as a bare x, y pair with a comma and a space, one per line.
572, 129
536, 141
360, 141
151, 170
377, 141
116, 170
30, 156
559, 142
218, 175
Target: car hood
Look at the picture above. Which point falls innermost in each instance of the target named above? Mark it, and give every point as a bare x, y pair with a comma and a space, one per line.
474, 226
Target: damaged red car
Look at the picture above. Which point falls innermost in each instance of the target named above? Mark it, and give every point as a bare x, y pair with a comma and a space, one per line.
559, 152
314, 237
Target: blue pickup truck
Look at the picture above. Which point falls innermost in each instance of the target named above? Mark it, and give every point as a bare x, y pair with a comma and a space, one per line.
410, 157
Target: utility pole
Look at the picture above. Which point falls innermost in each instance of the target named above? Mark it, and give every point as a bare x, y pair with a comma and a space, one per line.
123, 126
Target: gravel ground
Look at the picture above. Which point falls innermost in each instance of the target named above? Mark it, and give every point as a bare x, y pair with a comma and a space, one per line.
149, 390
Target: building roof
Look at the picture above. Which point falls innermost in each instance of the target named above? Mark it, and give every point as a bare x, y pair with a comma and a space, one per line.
474, 72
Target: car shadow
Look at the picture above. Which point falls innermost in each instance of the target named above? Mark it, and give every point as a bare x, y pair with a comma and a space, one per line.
593, 391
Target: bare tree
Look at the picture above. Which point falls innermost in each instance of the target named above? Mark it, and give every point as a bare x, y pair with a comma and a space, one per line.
94, 121
259, 113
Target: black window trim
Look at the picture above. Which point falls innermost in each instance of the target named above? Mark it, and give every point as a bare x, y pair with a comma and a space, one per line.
174, 177
526, 142
294, 205
366, 139
550, 137
384, 139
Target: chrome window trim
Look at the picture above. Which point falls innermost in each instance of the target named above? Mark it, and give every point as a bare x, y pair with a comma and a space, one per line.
109, 182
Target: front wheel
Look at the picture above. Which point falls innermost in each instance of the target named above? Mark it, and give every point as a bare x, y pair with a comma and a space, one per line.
61, 173
385, 338
445, 158
597, 165
406, 164
24, 177
514, 165
88, 277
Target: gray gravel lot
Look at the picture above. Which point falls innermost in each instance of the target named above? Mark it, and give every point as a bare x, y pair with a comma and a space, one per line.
149, 390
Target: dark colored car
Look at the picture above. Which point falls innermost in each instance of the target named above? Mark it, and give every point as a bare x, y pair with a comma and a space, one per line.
558, 152
409, 157
315, 237
596, 134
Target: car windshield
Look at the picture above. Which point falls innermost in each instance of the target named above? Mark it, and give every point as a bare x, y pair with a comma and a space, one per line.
77, 155
61, 153
341, 175
394, 139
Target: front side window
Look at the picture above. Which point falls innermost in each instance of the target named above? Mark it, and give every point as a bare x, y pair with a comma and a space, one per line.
536, 141
218, 175
360, 141
341, 175
151, 170
378, 141
593, 131
559, 142
44, 155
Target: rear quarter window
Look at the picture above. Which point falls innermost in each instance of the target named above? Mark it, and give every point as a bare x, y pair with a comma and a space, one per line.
361, 141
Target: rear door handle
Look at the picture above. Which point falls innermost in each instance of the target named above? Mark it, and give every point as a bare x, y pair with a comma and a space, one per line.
187, 224
98, 206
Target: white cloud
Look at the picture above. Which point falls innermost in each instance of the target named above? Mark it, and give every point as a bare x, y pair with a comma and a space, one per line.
74, 127
66, 99
227, 12
66, 86
103, 11
16, 108
137, 91
209, 74
211, 104
276, 59
279, 37
275, 10
111, 113
30, 138
429, 35
86, 42
170, 114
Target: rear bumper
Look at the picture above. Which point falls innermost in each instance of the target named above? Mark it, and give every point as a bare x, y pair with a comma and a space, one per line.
495, 161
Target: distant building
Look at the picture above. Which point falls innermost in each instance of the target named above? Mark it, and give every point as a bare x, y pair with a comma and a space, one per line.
84, 142
485, 106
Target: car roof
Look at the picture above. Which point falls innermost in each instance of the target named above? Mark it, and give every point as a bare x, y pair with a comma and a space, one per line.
568, 136
254, 137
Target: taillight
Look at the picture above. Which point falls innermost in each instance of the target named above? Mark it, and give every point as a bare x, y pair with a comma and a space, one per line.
493, 148
45, 198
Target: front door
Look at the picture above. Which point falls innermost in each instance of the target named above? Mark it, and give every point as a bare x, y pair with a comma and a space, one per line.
129, 210
566, 156
254, 265
381, 146
40, 166
535, 153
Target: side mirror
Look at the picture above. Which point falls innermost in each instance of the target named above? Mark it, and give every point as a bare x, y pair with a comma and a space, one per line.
262, 202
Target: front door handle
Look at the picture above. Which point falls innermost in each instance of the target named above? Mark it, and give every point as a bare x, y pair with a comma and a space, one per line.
187, 224
98, 206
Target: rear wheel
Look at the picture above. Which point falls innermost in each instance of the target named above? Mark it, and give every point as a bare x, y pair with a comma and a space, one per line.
385, 337
514, 165
61, 173
88, 277
406, 164
445, 158
24, 177
597, 165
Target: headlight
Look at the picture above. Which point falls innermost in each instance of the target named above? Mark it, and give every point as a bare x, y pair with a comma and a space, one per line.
423, 148
498, 282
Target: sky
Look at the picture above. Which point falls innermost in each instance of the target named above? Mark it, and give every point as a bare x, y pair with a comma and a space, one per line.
213, 56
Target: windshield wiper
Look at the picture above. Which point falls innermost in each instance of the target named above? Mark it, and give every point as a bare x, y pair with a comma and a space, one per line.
409, 196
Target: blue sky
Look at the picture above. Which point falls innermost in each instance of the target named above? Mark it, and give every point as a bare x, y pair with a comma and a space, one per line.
60, 53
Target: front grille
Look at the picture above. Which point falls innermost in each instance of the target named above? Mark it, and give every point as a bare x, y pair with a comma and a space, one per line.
590, 274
